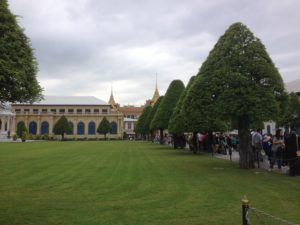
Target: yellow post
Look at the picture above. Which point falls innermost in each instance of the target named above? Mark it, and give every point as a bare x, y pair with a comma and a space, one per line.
245, 207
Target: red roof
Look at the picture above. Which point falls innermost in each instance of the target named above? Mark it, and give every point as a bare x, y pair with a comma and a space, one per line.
131, 109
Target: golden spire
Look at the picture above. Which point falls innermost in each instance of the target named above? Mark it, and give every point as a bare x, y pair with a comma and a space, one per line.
111, 98
156, 93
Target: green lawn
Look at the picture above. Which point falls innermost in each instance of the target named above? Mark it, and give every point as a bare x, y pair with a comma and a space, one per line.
122, 182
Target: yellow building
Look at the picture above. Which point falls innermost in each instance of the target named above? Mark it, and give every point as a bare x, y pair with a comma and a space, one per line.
84, 114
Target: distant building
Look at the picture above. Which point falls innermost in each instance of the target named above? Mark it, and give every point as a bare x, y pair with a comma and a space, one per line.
129, 126
84, 114
6, 120
132, 112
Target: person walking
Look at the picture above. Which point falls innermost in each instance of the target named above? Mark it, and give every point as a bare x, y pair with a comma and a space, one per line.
293, 153
267, 146
257, 141
277, 149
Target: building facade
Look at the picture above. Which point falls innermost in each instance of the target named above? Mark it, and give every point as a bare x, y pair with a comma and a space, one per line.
129, 126
84, 114
131, 112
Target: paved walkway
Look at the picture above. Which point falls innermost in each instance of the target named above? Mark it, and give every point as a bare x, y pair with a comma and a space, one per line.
263, 165
235, 156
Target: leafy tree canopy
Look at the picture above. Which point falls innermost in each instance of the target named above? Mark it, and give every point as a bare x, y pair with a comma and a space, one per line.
141, 124
62, 126
167, 105
238, 79
292, 116
21, 128
177, 123
237, 82
152, 114
104, 127
18, 66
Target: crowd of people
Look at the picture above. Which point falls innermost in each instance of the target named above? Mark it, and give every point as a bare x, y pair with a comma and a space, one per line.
269, 151
277, 151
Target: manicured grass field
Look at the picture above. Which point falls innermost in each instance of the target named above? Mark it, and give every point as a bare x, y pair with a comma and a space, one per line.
134, 183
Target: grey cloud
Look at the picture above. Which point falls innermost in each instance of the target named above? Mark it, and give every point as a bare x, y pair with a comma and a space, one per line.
84, 45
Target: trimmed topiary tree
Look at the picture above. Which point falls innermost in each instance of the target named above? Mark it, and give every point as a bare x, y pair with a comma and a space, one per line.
22, 131
62, 127
177, 125
237, 82
292, 117
151, 115
104, 127
18, 66
164, 112
141, 123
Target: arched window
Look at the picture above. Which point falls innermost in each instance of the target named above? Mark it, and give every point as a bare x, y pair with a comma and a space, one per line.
45, 127
19, 124
114, 128
32, 127
71, 125
5, 127
80, 128
92, 128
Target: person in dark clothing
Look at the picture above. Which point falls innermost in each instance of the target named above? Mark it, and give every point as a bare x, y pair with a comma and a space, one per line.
277, 149
292, 146
210, 141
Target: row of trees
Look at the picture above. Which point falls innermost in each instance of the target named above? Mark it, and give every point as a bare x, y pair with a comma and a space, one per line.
237, 87
62, 127
157, 118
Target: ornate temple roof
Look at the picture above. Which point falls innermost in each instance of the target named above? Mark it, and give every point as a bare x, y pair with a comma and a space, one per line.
155, 95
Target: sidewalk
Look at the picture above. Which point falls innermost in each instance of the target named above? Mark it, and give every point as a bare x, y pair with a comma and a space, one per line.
235, 156
263, 165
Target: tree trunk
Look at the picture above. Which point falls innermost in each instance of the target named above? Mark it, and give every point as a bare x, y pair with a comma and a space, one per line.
246, 156
105, 136
161, 136
62, 136
195, 143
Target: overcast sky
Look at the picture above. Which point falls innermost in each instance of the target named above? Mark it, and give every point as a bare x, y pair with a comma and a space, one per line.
84, 46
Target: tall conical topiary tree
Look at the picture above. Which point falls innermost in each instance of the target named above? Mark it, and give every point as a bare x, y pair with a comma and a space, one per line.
237, 82
151, 115
292, 117
21, 128
177, 124
104, 127
164, 112
18, 66
141, 123
62, 127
